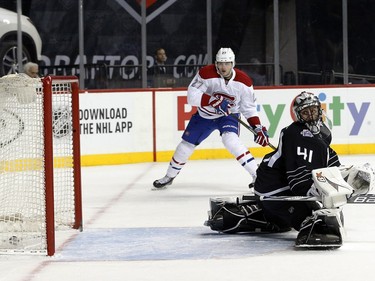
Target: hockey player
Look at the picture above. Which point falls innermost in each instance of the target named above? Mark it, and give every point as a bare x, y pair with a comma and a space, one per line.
303, 146
218, 90
304, 164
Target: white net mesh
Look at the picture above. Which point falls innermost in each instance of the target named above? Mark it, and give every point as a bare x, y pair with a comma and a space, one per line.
20, 86
63, 154
22, 175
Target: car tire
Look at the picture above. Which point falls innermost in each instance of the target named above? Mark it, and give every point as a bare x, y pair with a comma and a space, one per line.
8, 57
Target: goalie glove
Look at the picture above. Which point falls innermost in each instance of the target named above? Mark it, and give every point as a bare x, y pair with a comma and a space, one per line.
360, 178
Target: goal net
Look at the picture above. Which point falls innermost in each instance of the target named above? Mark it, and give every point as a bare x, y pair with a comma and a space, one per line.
40, 190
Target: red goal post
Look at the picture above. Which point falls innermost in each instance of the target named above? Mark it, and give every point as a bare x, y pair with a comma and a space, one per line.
40, 174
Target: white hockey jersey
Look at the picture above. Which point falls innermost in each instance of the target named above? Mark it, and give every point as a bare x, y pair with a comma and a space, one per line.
238, 90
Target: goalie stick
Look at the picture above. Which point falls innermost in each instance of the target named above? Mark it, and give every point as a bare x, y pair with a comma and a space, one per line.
358, 199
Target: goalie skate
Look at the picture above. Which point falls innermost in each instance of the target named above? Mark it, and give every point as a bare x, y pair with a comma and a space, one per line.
323, 230
320, 241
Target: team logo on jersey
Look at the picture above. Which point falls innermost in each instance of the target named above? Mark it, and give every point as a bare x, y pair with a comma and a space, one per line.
320, 177
307, 133
225, 96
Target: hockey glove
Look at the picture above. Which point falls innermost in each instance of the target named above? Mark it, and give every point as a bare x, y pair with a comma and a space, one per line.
360, 177
261, 136
330, 185
220, 104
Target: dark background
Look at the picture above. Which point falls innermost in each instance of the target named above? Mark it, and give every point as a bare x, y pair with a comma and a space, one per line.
244, 25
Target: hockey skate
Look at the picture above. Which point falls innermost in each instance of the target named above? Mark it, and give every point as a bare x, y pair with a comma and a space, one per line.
163, 183
323, 230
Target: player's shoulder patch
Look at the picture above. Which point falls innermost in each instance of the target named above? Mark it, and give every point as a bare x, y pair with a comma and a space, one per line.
307, 133
243, 78
299, 128
208, 71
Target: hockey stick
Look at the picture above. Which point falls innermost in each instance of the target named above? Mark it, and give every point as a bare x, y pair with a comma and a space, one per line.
358, 199
245, 125
250, 129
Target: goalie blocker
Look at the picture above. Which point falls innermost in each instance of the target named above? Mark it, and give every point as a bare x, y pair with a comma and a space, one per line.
323, 229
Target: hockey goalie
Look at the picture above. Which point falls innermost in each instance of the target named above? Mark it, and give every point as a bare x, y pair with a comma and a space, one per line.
307, 170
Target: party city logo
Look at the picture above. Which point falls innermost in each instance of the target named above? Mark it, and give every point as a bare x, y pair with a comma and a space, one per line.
336, 110
336, 106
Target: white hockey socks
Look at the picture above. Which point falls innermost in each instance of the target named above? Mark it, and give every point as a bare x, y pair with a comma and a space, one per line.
234, 145
180, 157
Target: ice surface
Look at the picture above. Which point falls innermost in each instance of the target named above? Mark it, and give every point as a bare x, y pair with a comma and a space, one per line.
134, 233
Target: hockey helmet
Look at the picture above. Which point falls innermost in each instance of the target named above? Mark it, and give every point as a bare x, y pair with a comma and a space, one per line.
303, 101
225, 55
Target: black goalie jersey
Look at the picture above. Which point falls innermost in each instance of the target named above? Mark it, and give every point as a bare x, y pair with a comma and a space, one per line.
287, 170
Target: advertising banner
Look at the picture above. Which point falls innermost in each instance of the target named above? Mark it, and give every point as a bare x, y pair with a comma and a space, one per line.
116, 122
152, 122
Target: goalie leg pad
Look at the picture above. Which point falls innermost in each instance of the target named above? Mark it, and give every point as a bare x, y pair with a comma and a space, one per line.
233, 216
324, 229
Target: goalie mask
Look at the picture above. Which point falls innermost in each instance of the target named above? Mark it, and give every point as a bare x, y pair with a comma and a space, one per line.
306, 109
224, 55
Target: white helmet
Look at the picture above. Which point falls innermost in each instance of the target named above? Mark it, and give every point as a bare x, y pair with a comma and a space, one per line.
225, 55
302, 101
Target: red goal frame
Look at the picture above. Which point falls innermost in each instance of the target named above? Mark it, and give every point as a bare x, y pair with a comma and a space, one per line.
48, 82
